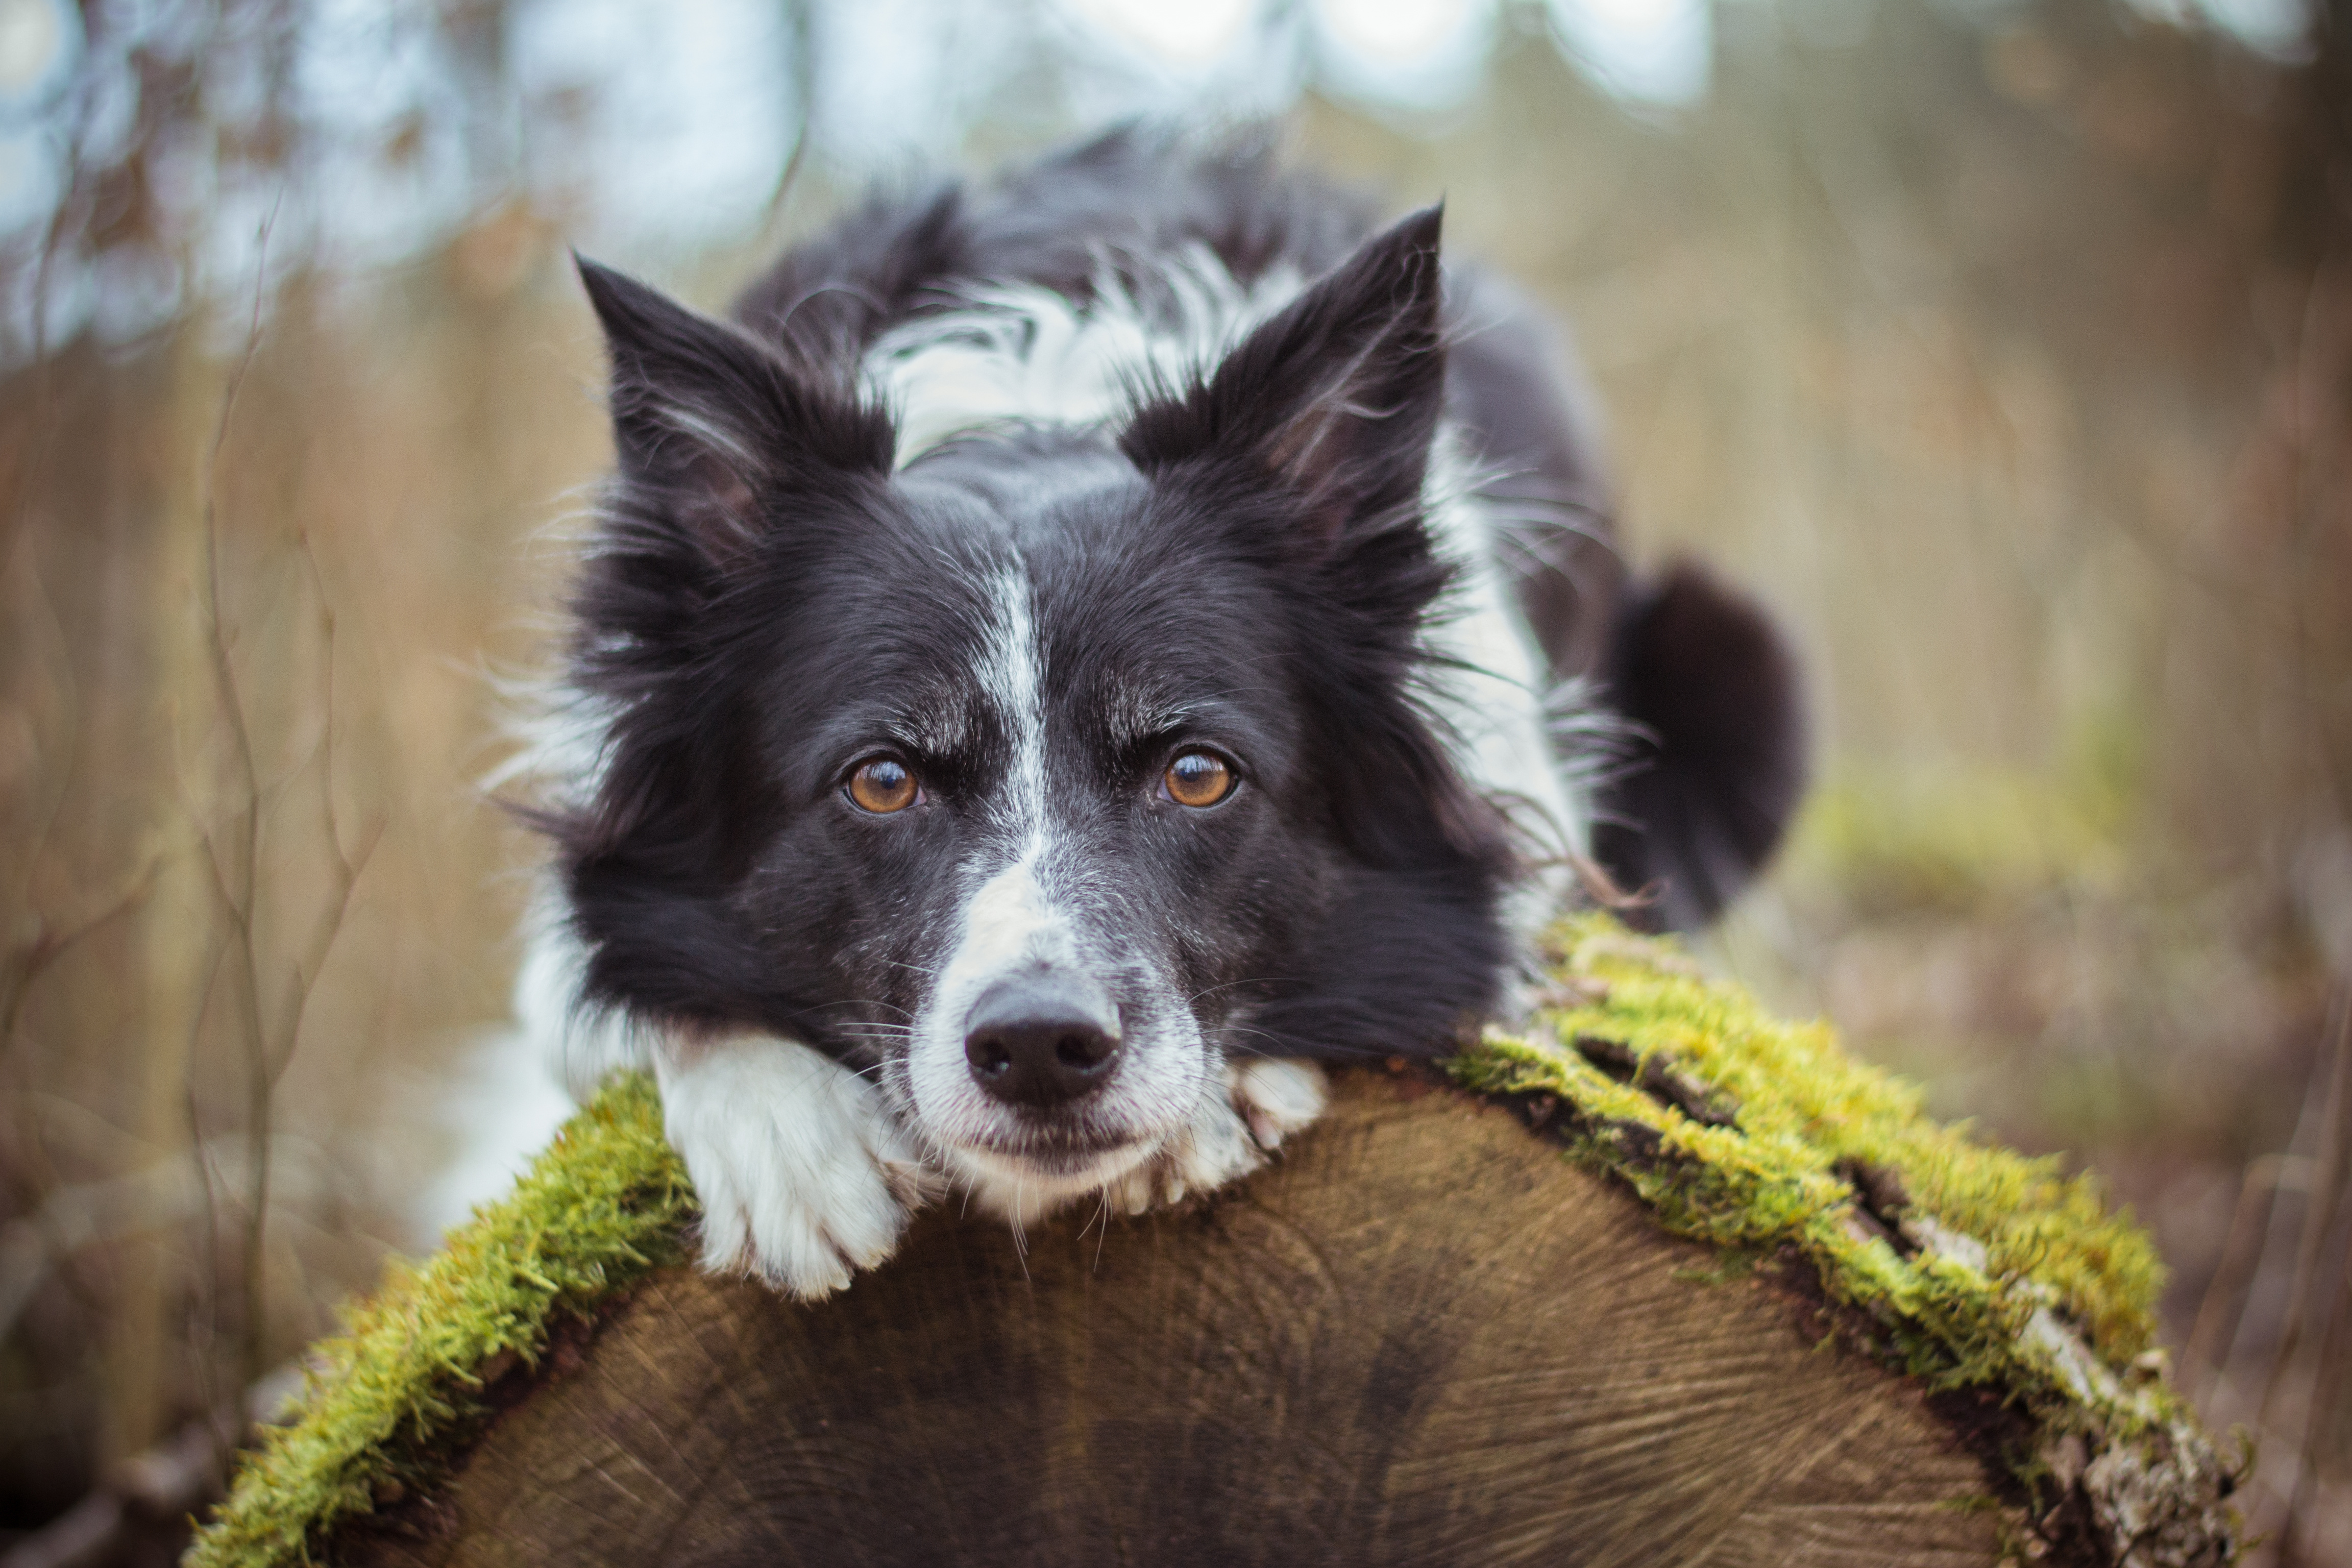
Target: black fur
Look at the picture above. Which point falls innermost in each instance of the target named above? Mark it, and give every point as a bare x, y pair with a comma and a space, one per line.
1719, 735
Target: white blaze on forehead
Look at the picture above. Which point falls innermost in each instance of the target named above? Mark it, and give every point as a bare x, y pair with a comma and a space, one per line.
1011, 673
1011, 922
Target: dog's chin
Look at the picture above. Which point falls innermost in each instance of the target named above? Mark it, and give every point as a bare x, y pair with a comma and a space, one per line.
1027, 1184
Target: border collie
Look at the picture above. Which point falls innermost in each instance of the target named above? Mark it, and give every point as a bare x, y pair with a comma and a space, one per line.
1068, 658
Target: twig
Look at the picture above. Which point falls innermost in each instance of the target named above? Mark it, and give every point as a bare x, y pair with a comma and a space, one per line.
260, 1083
271, 1034
305, 978
206, 1363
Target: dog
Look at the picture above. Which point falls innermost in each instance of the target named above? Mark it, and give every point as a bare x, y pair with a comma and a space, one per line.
1068, 658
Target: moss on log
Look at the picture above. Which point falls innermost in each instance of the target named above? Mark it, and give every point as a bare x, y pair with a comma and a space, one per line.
1660, 1279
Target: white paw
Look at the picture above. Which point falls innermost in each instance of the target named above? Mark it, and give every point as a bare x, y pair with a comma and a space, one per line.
1277, 1098
802, 1172
1229, 1136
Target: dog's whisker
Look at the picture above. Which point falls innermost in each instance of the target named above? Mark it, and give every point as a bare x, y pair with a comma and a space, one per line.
1230, 985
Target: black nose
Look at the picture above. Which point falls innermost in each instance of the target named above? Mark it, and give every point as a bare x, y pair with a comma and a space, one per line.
1042, 1040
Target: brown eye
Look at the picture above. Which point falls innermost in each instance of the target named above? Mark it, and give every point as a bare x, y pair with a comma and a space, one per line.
1197, 779
882, 786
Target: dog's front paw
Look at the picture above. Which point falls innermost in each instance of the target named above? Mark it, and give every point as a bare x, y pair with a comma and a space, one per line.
804, 1174
1276, 1098
1230, 1135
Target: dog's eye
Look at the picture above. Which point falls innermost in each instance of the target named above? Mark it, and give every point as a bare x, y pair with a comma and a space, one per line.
1197, 779
882, 786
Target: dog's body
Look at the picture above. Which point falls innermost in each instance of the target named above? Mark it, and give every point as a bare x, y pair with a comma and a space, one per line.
1076, 657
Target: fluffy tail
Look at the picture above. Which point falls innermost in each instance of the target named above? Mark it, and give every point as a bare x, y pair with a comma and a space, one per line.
1717, 760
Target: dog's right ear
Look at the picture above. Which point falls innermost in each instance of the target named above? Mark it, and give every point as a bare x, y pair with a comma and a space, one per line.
712, 427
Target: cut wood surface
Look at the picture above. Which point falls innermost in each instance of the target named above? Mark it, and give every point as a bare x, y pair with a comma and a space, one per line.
1422, 1336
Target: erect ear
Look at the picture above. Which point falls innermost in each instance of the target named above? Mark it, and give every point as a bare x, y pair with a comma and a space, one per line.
710, 424
1338, 394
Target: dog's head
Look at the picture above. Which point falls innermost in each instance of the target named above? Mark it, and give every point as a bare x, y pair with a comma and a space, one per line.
1037, 775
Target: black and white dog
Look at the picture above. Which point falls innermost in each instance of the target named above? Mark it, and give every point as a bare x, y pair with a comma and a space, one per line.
1066, 659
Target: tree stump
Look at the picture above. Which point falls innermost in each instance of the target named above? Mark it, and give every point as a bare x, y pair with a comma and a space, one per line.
1427, 1333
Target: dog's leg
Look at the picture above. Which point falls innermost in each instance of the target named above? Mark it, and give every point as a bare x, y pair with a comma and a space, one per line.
1238, 1123
804, 1175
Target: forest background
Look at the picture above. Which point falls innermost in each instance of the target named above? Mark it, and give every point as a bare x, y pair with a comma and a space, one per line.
2003, 346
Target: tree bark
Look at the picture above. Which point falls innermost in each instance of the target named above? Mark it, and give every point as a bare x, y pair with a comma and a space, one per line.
1422, 1336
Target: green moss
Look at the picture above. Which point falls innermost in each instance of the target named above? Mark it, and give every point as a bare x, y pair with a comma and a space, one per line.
401, 1389
1813, 1128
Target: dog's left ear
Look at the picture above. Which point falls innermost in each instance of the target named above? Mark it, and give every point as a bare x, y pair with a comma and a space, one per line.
1338, 395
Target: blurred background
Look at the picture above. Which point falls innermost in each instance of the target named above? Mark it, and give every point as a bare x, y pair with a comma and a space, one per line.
2004, 346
